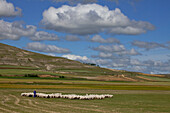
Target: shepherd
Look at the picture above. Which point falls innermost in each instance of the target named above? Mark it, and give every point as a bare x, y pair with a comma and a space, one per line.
34, 93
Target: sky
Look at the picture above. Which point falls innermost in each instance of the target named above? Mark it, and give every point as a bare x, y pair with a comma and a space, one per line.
131, 35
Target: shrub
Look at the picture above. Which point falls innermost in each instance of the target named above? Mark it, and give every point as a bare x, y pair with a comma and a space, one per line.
31, 75
61, 77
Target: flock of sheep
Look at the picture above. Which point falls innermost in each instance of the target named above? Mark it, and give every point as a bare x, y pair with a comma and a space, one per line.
68, 96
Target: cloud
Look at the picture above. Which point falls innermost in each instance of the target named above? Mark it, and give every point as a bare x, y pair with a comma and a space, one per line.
133, 2
51, 54
83, 59
104, 55
116, 63
73, 2
110, 48
15, 30
124, 63
99, 39
127, 63
114, 60
102, 62
111, 51
147, 66
41, 35
131, 52
91, 19
115, 56
135, 62
168, 45
36, 46
72, 38
151, 66
121, 59
119, 62
75, 57
8, 9
147, 45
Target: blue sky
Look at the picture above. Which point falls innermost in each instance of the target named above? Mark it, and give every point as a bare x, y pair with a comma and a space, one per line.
121, 34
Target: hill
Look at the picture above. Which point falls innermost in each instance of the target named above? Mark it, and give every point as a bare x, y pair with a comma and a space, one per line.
10, 57
19, 62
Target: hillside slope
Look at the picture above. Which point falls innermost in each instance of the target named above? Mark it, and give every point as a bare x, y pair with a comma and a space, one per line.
15, 61
10, 55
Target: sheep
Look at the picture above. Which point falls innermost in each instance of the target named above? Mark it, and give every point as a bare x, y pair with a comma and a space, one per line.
57, 95
108, 96
27, 94
69, 96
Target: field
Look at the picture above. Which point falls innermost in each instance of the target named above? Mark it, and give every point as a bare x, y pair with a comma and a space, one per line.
128, 97
95, 73
132, 92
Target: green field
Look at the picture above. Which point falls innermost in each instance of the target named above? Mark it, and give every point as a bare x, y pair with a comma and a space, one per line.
137, 97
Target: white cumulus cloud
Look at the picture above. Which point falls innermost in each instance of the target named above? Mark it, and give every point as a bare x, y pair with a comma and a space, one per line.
91, 19
8, 9
83, 59
75, 57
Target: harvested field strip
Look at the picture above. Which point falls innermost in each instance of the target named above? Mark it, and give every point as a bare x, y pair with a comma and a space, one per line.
128, 78
5, 101
25, 105
40, 80
141, 77
79, 86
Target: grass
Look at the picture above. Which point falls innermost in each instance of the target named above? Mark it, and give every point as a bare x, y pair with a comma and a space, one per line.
12, 66
150, 97
156, 78
83, 86
79, 71
122, 102
82, 72
79, 84
23, 72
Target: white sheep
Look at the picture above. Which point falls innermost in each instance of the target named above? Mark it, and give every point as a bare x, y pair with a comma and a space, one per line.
69, 96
